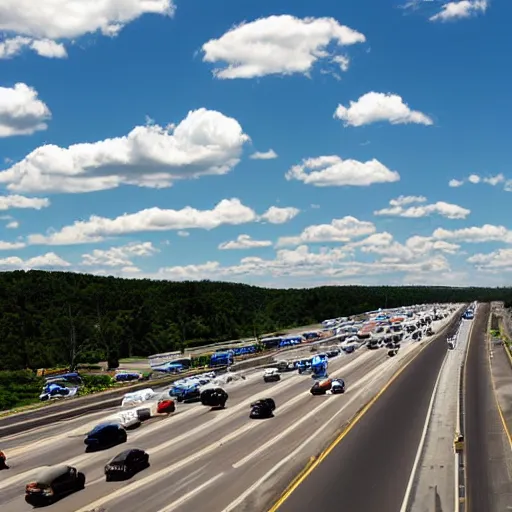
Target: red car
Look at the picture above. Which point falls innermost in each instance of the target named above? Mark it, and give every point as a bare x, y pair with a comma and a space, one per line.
165, 406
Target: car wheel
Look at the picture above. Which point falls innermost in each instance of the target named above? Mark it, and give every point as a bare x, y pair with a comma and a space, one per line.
81, 481
108, 478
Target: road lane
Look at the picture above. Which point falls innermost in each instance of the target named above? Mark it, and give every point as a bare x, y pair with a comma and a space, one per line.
175, 443
370, 468
488, 478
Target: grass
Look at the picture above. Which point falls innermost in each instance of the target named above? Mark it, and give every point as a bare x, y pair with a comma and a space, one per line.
133, 359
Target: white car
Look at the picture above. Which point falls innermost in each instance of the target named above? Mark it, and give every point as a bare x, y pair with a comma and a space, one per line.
271, 375
137, 397
127, 419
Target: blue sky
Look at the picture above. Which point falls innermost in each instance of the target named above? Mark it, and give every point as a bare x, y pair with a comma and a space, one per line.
260, 142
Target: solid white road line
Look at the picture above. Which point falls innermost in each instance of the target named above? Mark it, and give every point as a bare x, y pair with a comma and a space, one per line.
192, 494
405, 502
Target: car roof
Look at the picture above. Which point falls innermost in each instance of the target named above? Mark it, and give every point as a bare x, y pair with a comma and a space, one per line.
124, 454
101, 426
50, 473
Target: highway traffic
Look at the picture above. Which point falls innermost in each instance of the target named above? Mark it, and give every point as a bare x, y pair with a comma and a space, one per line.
204, 460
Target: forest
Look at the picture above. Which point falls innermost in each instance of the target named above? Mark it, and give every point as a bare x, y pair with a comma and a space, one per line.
62, 318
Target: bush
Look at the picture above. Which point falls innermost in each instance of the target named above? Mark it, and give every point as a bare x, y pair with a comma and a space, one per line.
19, 388
95, 383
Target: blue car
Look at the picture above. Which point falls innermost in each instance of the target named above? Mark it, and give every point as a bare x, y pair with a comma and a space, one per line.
105, 435
186, 394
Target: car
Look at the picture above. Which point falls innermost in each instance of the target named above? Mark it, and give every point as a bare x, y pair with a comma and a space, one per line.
186, 394
271, 375
393, 352
105, 435
263, 408
165, 406
337, 386
214, 397
320, 387
126, 464
52, 483
128, 419
3, 461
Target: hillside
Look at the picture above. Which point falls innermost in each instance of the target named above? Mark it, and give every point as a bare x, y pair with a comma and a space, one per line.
51, 318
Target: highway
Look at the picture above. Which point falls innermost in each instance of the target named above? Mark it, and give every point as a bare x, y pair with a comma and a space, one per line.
220, 461
370, 468
488, 471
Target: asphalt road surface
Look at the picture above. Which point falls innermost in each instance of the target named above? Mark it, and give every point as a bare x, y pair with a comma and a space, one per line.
488, 479
370, 468
221, 461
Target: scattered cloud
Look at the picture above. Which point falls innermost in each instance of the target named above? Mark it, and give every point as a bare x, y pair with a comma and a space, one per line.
46, 261
244, 242
226, 212
448, 210
41, 29
492, 180
13, 46
183, 233
10, 246
13, 224
118, 256
265, 155
278, 45
496, 261
278, 215
206, 142
339, 230
475, 234
21, 111
375, 107
451, 11
15, 201
333, 171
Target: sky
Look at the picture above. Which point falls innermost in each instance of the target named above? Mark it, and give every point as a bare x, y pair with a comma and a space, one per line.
276, 143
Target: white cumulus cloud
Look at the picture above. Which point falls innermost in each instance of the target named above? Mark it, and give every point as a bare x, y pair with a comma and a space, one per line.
118, 256
339, 230
264, 155
278, 45
455, 183
462, 9
280, 215
333, 171
21, 111
40, 27
375, 107
244, 242
206, 142
475, 234
16, 201
227, 211
500, 260
46, 261
397, 209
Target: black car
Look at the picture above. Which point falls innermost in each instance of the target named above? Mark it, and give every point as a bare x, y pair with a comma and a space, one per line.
105, 435
125, 464
263, 408
52, 483
214, 397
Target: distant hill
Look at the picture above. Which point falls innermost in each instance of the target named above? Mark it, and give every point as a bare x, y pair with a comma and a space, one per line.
53, 318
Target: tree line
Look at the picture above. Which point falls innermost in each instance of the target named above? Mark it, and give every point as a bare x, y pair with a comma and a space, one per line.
62, 318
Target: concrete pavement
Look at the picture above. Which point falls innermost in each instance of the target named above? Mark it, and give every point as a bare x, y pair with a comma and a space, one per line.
488, 475
436, 480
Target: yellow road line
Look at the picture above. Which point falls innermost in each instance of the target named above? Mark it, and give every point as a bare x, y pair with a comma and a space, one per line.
313, 464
